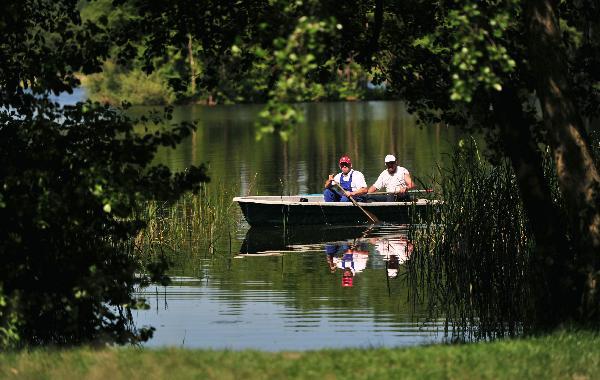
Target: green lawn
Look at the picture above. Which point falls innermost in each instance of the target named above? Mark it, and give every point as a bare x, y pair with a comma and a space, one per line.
558, 356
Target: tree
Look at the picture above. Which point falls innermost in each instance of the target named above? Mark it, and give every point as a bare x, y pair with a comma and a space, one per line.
578, 176
71, 181
504, 56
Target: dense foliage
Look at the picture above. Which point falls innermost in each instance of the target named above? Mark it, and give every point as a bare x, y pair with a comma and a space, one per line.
193, 68
70, 182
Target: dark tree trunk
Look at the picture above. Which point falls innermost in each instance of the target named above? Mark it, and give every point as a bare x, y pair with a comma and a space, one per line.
550, 290
578, 177
192, 65
372, 44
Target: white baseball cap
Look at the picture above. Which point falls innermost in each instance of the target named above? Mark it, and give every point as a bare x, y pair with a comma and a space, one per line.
390, 158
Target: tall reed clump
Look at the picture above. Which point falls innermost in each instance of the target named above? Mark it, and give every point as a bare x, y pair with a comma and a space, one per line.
471, 255
196, 223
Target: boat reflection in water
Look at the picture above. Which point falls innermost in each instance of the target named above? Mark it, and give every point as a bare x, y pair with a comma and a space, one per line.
299, 238
349, 250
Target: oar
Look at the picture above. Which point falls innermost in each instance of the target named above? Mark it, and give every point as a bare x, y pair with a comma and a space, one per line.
416, 191
369, 215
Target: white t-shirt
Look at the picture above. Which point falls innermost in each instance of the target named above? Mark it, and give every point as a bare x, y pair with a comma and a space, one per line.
391, 182
394, 246
357, 262
358, 179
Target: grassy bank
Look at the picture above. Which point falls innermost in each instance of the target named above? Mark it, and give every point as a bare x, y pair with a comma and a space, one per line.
558, 356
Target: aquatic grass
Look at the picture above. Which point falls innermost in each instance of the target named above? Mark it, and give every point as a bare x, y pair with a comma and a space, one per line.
196, 223
470, 263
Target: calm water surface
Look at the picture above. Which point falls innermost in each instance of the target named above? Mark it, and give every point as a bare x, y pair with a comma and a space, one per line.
292, 295
366, 131
276, 289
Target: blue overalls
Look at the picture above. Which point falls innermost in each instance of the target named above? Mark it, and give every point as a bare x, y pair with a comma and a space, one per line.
348, 258
333, 249
330, 195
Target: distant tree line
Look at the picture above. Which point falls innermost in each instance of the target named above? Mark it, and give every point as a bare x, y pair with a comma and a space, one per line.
187, 72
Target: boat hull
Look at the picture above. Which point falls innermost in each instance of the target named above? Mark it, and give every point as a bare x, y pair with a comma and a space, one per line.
312, 210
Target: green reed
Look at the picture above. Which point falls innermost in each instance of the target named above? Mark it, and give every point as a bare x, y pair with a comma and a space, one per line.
470, 262
196, 223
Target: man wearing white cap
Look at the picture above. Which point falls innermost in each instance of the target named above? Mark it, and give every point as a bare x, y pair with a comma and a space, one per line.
395, 179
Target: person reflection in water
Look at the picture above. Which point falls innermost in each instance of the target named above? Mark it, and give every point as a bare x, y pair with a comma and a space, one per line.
353, 260
331, 251
393, 264
395, 251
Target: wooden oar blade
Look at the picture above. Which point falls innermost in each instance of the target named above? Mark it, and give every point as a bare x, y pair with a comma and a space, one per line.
370, 215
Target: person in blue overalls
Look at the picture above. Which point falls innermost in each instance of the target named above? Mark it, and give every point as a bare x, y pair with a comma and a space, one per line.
331, 251
352, 181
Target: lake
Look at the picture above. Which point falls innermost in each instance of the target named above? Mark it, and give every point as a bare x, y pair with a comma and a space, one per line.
273, 289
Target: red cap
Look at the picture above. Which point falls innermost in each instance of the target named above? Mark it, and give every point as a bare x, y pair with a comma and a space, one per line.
345, 159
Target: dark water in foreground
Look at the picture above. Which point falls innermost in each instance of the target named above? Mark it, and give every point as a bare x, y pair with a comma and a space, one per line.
284, 290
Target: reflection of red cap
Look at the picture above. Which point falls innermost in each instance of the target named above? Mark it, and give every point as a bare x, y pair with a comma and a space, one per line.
347, 281
347, 278
345, 159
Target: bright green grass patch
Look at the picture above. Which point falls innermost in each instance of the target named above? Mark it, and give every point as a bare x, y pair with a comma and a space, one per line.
558, 356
